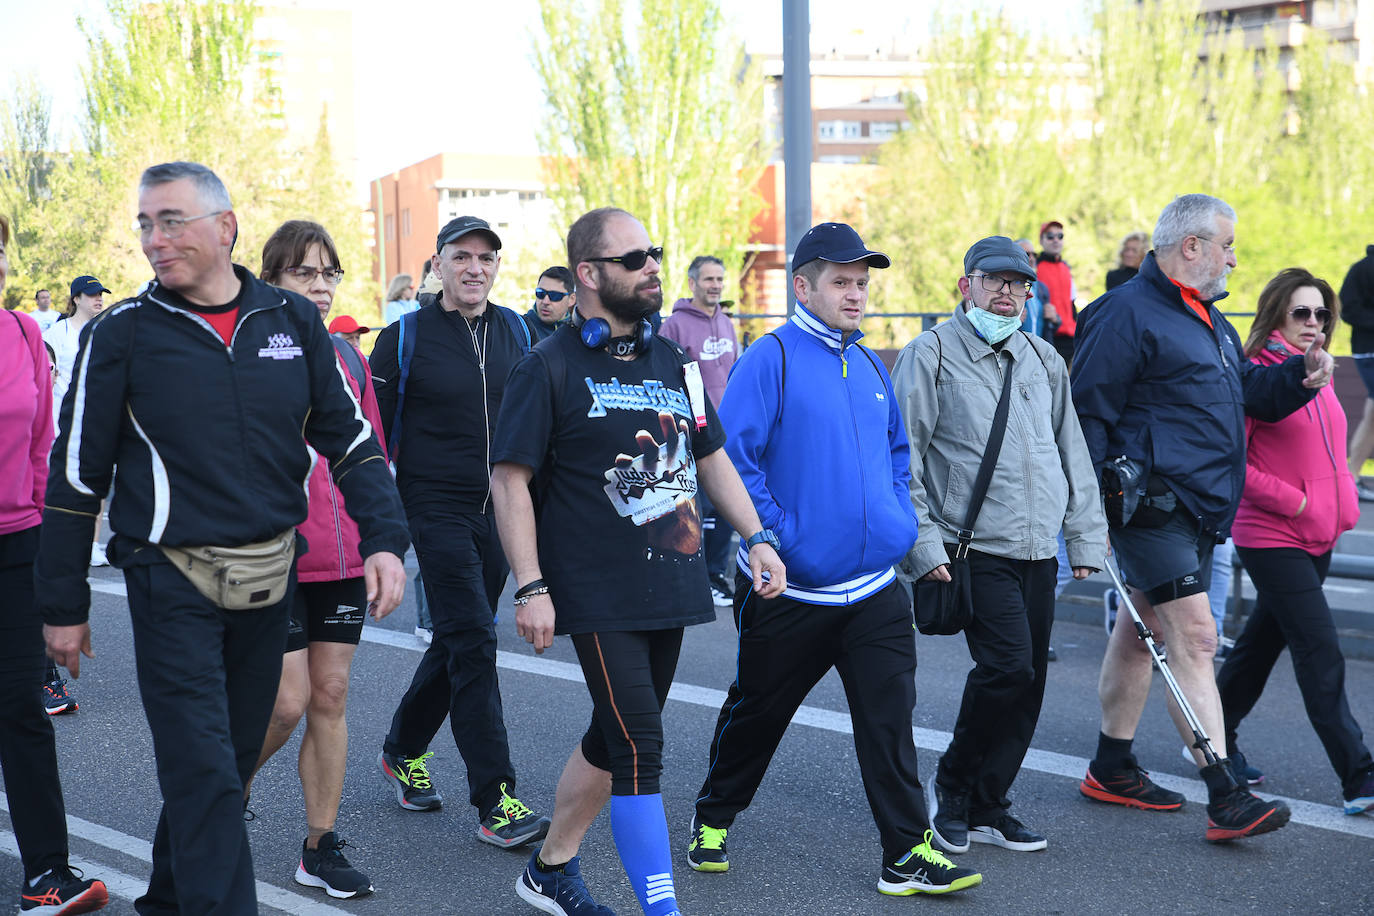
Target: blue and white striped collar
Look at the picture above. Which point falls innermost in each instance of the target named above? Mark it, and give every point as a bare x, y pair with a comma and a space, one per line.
822, 331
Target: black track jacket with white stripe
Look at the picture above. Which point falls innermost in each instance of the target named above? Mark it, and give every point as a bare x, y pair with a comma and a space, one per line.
210, 441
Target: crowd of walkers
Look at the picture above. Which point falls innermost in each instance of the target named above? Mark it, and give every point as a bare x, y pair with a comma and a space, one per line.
271, 478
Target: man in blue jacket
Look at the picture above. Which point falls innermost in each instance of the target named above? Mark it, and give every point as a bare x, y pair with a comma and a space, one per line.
814, 429
1162, 389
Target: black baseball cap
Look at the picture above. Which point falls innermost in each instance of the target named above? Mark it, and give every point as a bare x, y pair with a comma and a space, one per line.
837, 243
997, 254
88, 285
460, 226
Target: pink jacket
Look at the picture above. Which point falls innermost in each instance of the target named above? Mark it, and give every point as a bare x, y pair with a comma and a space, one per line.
26, 427
1302, 455
332, 534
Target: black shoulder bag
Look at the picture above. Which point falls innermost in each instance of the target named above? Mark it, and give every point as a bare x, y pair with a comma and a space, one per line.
945, 608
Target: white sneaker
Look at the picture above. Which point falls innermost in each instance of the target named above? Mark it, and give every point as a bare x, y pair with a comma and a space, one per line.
98, 557
426, 636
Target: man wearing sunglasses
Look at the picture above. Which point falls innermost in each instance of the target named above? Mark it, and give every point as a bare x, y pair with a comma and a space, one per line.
701, 327
554, 299
1162, 388
952, 386
1052, 270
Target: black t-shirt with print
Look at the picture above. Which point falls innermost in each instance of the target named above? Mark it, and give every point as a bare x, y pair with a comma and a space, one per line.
614, 446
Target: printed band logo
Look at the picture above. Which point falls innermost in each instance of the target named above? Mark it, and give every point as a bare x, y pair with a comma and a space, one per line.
280, 346
652, 395
656, 488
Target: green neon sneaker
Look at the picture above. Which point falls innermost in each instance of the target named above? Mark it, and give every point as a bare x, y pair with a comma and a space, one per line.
511, 823
707, 849
409, 777
925, 870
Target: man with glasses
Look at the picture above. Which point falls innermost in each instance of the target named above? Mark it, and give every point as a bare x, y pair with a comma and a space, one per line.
1052, 270
439, 392
814, 429
554, 299
949, 383
1162, 388
201, 388
610, 422
702, 328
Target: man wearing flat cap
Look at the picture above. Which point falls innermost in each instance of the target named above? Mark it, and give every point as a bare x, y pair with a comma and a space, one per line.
441, 372
813, 427
949, 382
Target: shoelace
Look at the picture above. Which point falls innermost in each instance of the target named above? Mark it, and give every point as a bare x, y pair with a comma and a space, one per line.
334, 852
929, 853
710, 837
417, 774
512, 807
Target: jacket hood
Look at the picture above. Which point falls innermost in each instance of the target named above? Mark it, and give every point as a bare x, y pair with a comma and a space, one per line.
686, 307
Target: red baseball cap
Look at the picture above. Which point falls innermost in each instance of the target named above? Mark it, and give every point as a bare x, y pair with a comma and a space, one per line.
1053, 222
345, 324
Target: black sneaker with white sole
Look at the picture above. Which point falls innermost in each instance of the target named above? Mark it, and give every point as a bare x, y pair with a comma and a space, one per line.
1009, 833
948, 812
326, 868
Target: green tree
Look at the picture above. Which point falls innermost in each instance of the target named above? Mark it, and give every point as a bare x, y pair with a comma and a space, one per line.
662, 116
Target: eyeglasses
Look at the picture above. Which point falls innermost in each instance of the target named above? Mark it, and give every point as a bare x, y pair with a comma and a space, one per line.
555, 296
1228, 249
1054, 235
307, 275
1301, 313
997, 284
170, 226
634, 260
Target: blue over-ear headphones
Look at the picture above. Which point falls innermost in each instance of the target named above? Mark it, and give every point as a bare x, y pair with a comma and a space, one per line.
595, 333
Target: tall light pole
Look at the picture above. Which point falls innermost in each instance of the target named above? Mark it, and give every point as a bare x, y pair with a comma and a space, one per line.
796, 126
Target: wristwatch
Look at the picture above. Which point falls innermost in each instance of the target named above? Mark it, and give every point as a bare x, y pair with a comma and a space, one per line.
766, 536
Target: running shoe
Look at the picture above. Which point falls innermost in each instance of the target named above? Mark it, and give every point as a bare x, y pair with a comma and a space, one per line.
98, 557
409, 776
948, 813
511, 823
1130, 786
424, 634
1363, 799
62, 892
56, 699
707, 849
327, 868
1365, 493
722, 592
1239, 814
925, 870
1009, 833
560, 892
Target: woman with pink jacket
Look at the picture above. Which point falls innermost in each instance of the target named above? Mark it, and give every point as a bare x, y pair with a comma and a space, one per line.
1299, 498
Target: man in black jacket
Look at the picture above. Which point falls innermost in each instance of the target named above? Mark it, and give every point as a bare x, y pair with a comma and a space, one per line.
1162, 388
199, 389
454, 368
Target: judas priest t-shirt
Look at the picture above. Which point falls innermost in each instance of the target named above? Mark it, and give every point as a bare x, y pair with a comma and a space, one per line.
614, 447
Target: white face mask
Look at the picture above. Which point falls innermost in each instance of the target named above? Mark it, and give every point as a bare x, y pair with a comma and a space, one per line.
992, 327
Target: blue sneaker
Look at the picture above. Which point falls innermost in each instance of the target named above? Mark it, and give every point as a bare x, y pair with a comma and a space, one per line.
1364, 796
560, 893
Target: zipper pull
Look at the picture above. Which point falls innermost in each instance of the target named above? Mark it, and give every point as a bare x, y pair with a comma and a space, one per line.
844, 366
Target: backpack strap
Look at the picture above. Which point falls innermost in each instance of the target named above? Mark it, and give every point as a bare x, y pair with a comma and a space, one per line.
352, 360
782, 388
405, 351
517, 326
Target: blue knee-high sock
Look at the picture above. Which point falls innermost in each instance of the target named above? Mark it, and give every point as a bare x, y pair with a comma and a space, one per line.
641, 838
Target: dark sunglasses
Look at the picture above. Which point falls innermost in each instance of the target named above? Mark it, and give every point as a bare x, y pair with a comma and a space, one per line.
1302, 312
549, 294
1054, 235
634, 260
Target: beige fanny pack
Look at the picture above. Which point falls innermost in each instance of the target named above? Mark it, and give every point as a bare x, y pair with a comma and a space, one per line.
239, 578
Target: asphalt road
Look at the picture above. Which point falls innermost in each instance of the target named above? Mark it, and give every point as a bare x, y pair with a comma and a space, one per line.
806, 846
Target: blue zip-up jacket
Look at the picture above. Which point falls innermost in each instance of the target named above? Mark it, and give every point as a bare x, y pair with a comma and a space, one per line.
1153, 382
823, 453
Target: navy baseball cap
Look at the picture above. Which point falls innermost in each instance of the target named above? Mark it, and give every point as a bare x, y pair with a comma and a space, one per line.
460, 226
837, 243
88, 285
998, 254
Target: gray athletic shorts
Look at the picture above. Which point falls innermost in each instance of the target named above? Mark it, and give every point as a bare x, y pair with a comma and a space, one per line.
1166, 563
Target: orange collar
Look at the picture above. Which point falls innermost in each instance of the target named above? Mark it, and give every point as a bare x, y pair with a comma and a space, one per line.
1193, 299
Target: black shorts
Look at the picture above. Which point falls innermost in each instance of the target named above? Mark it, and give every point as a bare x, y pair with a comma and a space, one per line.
327, 612
1165, 563
1364, 364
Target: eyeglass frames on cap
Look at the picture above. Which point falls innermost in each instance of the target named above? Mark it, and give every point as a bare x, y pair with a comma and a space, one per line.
170, 226
997, 284
550, 294
332, 275
1301, 314
634, 260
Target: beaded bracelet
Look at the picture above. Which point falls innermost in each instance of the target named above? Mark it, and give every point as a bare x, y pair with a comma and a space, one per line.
522, 600
529, 588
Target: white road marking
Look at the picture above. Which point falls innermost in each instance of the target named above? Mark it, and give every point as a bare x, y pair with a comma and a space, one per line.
1323, 817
